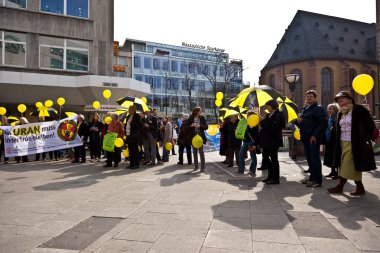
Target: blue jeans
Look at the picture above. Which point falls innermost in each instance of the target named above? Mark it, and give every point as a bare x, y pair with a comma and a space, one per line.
243, 150
314, 161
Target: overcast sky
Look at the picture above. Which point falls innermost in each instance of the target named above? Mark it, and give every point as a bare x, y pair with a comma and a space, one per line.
246, 29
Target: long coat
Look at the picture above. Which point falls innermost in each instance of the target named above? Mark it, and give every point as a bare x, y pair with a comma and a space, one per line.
330, 159
271, 131
362, 130
191, 132
136, 128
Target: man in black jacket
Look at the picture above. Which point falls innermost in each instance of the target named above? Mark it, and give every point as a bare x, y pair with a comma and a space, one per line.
133, 128
312, 122
83, 132
149, 137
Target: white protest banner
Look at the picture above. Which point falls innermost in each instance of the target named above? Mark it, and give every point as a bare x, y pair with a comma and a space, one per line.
40, 137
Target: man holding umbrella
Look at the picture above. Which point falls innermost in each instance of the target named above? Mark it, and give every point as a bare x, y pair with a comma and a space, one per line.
133, 128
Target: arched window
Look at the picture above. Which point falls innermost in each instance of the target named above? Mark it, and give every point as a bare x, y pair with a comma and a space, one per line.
326, 86
298, 92
272, 81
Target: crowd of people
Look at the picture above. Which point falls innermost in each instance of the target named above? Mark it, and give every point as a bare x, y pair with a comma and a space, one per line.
346, 129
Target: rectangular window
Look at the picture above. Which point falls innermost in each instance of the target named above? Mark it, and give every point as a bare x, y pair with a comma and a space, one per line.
139, 77
76, 8
149, 79
156, 64
221, 71
136, 62
54, 6
165, 65
174, 66
157, 82
175, 83
13, 48
169, 83
183, 67
14, 3
147, 62
66, 54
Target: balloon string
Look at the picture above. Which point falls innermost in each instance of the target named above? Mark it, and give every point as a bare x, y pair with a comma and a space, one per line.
365, 100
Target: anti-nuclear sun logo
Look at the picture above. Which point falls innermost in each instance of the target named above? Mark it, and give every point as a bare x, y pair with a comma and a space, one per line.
67, 130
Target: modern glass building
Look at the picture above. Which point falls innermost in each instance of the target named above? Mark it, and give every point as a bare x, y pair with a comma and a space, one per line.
176, 74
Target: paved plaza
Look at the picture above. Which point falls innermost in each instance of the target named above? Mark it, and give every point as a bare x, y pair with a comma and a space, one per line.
64, 207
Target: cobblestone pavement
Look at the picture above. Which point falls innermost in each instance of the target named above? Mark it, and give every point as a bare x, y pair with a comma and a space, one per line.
64, 207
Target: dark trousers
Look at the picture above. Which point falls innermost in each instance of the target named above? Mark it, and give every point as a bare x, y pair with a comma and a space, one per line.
1, 151
181, 149
51, 154
134, 154
80, 151
233, 151
95, 148
270, 159
114, 156
22, 158
313, 158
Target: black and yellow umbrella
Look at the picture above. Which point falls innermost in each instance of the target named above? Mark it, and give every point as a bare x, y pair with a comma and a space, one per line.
44, 112
13, 120
129, 101
123, 113
255, 97
289, 108
70, 114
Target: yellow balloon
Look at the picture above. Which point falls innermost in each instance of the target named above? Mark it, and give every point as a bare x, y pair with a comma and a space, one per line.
168, 146
219, 95
253, 120
297, 134
48, 103
39, 104
107, 94
126, 152
144, 100
108, 120
61, 101
3, 111
124, 137
139, 147
21, 108
96, 104
363, 84
197, 141
218, 103
1, 132
119, 142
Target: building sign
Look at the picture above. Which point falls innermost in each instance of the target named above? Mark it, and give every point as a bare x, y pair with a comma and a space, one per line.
118, 68
106, 84
196, 46
103, 108
116, 48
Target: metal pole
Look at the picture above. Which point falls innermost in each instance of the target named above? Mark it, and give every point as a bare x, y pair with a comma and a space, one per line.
292, 139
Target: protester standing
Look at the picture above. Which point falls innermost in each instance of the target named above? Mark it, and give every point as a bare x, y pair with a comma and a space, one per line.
95, 130
223, 139
330, 142
114, 127
4, 122
184, 142
355, 132
23, 121
167, 136
133, 129
149, 135
250, 143
80, 151
233, 144
312, 122
271, 140
197, 125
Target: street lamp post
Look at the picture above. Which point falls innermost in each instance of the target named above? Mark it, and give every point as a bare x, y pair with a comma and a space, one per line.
292, 80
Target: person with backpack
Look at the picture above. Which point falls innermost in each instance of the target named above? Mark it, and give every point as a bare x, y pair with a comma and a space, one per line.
250, 142
233, 144
271, 140
184, 142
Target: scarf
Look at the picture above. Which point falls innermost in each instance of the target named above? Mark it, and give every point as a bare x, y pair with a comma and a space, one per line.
346, 110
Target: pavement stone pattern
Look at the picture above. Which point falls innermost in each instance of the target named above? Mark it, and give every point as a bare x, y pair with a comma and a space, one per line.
170, 208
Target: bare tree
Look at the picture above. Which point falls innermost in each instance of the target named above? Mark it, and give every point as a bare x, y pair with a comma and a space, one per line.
189, 81
220, 72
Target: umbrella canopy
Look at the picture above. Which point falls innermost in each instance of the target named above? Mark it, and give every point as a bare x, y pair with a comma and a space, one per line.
70, 114
289, 108
13, 120
255, 96
128, 101
44, 112
226, 112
